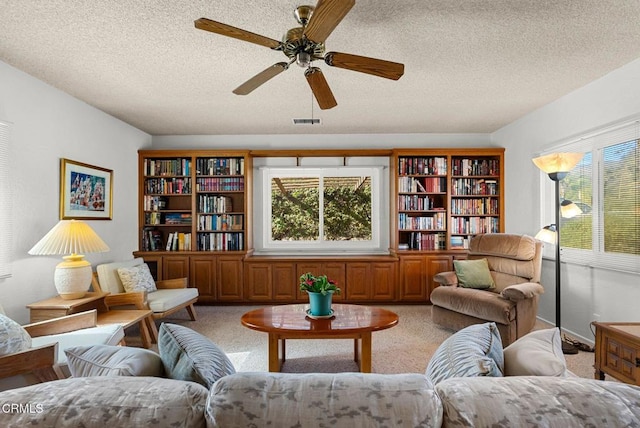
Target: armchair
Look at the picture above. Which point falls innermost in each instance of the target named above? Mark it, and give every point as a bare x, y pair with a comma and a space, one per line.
46, 360
514, 262
171, 296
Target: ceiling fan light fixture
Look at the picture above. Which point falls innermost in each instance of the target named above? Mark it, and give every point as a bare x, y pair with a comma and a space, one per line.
303, 59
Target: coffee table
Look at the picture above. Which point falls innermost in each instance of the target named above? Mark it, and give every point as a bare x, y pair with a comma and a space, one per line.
291, 322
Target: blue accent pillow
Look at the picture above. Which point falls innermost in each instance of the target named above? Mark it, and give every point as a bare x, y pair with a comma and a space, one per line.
187, 355
473, 351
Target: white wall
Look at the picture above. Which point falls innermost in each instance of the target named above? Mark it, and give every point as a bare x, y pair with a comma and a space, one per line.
48, 125
586, 292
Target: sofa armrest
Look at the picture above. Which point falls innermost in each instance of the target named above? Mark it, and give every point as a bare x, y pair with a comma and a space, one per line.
446, 278
63, 324
39, 360
137, 299
525, 290
172, 283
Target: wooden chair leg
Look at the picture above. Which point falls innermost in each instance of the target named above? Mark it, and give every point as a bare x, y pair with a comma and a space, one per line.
153, 330
192, 312
144, 334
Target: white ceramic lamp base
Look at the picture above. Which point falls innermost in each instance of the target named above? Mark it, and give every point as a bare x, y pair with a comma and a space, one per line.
73, 277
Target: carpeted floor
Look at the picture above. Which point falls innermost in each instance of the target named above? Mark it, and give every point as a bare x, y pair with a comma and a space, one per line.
404, 348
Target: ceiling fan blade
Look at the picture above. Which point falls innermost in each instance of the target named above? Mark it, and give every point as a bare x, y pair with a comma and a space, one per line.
363, 64
326, 17
260, 78
236, 33
320, 88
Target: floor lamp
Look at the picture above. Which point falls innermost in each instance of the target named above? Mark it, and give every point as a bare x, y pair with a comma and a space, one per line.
557, 166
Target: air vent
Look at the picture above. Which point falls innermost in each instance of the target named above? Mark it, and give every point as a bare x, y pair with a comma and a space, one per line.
306, 121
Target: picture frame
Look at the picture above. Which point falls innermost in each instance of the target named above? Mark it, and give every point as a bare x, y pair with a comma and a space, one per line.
85, 191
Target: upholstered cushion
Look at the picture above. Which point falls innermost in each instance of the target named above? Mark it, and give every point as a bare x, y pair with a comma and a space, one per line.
482, 304
98, 402
538, 353
538, 401
110, 334
512, 246
473, 273
107, 360
108, 274
187, 355
170, 298
345, 400
137, 278
13, 337
522, 291
473, 351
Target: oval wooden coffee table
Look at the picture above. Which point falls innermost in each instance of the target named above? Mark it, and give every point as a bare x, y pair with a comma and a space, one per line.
348, 322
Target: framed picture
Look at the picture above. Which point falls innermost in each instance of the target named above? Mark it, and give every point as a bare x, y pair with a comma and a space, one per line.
85, 191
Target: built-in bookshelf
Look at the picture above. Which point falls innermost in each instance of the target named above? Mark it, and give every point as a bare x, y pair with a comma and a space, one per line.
444, 197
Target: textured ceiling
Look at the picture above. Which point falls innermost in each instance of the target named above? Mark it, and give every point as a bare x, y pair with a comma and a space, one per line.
470, 65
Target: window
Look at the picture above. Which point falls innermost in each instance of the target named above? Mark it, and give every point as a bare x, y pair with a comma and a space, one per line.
5, 202
322, 210
606, 187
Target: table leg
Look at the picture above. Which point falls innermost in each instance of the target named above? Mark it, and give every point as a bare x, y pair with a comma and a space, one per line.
153, 330
274, 359
283, 350
356, 350
144, 334
365, 363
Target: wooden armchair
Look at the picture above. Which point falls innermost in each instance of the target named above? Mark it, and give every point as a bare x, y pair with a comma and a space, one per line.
46, 360
171, 296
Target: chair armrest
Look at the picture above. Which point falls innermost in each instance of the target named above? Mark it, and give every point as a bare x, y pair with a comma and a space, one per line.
172, 283
525, 290
63, 324
137, 299
446, 278
41, 358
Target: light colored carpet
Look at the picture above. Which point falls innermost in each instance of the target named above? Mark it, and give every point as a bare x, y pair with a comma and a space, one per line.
405, 348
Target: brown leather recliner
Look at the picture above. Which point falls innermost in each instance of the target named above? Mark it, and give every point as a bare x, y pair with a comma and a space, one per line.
515, 262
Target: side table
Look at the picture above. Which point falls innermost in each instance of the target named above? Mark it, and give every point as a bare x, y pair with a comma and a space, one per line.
617, 351
57, 307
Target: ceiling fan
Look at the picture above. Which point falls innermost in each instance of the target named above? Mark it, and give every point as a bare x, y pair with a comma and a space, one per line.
305, 44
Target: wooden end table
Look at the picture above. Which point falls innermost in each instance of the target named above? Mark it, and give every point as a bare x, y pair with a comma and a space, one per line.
348, 322
56, 307
617, 351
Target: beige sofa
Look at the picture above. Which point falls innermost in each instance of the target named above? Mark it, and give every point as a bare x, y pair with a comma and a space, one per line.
514, 263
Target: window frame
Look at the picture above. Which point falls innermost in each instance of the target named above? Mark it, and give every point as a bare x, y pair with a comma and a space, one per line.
595, 142
6, 200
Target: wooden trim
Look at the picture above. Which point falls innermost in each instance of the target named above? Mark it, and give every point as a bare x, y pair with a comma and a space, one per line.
40, 359
321, 153
64, 324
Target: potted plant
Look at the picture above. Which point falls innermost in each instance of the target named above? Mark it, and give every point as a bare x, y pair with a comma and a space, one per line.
320, 290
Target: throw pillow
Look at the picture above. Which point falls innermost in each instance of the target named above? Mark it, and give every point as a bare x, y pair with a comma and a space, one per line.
13, 337
187, 355
107, 360
137, 278
538, 353
473, 351
474, 273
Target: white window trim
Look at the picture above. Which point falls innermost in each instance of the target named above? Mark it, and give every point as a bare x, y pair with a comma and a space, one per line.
374, 246
595, 141
6, 226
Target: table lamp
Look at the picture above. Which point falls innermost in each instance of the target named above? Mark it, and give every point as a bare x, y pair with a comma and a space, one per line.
72, 277
557, 166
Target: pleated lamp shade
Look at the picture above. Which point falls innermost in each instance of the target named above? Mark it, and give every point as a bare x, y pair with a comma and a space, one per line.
74, 237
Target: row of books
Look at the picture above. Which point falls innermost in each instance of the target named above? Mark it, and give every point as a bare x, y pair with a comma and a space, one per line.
220, 222
178, 241
474, 225
424, 185
422, 166
154, 203
220, 184
214, 204
220, 241
426, 241
183, 219
155, 167
152, 240
435, 222
220, 166
416, 203
167, 186
459, 242
475, 167
474, 186
478, 206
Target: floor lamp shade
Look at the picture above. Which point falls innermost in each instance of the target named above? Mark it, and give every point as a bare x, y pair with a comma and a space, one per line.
72, 277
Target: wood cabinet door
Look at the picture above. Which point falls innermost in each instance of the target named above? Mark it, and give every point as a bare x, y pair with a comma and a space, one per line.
413, 281
175, 267
259, 282
203, 277
383, 281
435, 265
336, 272
301, 268
359, 281
230, 278
285, 282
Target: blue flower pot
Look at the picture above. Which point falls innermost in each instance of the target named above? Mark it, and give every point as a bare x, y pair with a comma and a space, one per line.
320, 304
